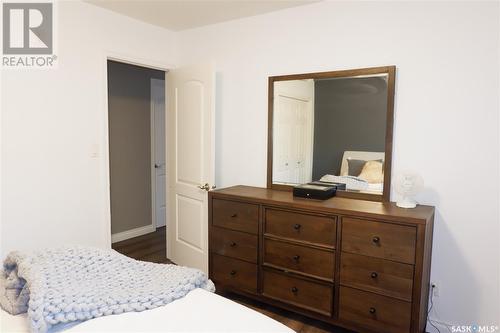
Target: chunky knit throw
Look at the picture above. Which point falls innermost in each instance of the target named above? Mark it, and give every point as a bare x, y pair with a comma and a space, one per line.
74, 284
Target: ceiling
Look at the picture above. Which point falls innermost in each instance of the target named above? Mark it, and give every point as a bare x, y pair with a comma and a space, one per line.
180, 15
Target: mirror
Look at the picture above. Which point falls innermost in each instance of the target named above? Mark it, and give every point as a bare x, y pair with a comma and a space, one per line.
333, 127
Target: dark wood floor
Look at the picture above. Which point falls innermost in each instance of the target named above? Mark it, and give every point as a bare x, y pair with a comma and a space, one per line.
152, 247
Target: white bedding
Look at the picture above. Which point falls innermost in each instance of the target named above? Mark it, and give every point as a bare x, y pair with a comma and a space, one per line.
375, 187
198, 311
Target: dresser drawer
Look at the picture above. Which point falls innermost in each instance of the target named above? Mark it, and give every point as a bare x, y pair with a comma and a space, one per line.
312, 296
234, 244
299, 258
378, 239
235, 215
302, 227
378, 275
375, 312
234, 273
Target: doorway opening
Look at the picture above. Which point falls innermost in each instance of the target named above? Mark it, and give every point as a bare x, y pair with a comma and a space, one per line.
137, 155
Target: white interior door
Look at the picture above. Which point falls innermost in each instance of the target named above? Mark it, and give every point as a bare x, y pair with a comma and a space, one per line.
190, 163
159, 143
293, 131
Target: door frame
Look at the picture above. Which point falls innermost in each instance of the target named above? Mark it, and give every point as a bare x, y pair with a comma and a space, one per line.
106, 182
153, 154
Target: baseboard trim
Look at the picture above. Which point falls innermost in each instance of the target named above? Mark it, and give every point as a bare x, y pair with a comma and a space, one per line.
124, 235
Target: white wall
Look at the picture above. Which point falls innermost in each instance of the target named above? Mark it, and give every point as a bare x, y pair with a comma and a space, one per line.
52, 191
446, 116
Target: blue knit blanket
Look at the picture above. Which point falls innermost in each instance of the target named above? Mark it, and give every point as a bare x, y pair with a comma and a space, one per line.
73, 284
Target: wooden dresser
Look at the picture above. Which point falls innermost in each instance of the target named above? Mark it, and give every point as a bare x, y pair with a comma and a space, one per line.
358, 264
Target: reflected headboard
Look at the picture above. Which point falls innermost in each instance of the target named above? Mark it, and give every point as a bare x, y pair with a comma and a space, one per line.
359, 155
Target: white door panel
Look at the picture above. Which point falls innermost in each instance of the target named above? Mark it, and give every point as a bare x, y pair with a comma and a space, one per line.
190, 132
161, 199
159, 141
190, 160
189, 231
293, 131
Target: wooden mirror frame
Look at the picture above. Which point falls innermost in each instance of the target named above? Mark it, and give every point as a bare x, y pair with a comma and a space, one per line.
391, 72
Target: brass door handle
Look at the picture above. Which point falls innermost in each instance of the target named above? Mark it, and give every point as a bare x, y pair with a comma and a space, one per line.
205, 187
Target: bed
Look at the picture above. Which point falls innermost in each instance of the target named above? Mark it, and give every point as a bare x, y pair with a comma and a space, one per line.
198, 311
354, 182
88, 289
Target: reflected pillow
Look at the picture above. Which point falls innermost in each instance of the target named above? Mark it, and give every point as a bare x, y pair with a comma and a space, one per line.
354, 166
373, 172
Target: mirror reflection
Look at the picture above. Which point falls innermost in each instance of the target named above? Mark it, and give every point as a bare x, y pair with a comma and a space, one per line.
331, 129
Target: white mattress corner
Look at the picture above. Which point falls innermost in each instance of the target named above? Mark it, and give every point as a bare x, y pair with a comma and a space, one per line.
199, 311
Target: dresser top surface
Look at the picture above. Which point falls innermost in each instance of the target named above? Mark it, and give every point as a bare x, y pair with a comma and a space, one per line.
385, 210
